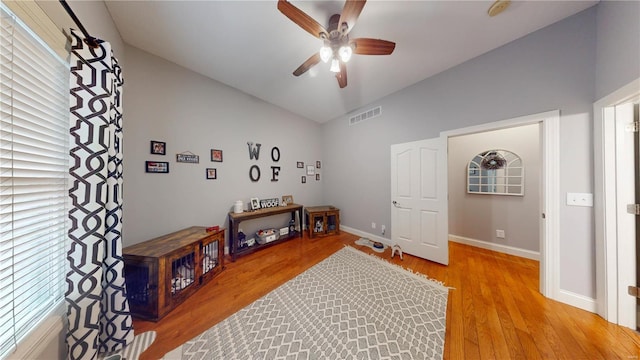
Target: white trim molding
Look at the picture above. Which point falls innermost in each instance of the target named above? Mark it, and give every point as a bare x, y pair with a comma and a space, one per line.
608, 250
505, 249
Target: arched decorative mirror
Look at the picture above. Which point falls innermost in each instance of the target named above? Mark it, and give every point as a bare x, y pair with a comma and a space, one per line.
497, 172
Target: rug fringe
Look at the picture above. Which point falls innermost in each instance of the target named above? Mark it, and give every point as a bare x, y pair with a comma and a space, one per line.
411, 271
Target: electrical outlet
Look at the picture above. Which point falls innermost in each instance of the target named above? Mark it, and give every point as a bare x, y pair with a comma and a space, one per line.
383, 228
373, 225
500, 234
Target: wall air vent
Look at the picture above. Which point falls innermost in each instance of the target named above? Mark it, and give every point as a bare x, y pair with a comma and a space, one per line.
369, 114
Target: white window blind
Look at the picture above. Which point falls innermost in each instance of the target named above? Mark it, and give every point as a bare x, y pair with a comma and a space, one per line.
34, 152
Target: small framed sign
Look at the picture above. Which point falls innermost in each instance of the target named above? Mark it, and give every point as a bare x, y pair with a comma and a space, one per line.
187, 158
161, 167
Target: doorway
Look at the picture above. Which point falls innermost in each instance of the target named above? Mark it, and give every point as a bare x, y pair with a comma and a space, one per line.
504, 217
549, 190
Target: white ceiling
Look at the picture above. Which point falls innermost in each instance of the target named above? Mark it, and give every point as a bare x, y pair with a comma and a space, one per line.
251, 46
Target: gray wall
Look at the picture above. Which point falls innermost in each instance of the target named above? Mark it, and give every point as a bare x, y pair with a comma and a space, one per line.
190, 112
94, 16
553, 68
618, 47
477, 216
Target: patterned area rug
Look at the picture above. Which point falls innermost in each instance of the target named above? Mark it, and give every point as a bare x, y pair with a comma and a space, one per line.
349, 306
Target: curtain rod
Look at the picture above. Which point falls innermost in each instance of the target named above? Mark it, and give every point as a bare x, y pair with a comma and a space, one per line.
90, 40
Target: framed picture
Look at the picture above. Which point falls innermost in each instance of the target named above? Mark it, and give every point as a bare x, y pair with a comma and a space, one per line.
318, 164
161, 167
300, 165
158, 147
255, 203
216, 155
317, 177
287, 199
304, 179
311, 170
212, 174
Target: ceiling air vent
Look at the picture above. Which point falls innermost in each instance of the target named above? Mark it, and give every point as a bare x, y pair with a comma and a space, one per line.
369, 114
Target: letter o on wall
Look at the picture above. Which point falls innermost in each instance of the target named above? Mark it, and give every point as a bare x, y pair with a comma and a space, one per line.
253, 170
275, 151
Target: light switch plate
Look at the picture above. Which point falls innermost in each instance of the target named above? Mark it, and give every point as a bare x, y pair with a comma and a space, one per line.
579, 199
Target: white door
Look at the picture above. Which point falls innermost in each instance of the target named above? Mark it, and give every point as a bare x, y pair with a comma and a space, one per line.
419, 218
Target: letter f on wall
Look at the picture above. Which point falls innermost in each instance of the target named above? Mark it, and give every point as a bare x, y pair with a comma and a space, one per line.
254, 151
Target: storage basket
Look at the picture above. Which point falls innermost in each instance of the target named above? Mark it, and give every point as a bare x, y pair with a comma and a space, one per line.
267, 235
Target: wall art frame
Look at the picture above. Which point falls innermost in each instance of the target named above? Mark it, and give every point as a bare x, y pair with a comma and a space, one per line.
216, 155
212, 173
156, 167
311, 170
287, 199
254, 203
158, 147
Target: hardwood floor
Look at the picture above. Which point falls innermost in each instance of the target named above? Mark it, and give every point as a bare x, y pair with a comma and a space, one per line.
494, 311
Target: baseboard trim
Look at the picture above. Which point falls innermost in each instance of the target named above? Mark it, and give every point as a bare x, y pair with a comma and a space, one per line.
528, 254
366, 235
577, 300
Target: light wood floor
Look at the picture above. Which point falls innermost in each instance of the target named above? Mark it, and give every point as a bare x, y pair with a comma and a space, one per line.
494, 312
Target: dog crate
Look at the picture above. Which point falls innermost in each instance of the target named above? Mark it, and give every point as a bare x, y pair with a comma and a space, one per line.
161, 273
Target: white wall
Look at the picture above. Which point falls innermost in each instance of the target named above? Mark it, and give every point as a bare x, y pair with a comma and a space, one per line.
166, 102
553, 68
477, 216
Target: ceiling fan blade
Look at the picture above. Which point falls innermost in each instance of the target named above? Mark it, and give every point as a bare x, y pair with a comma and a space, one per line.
312, 61
342, 75
302, 19
350, 13
364, 46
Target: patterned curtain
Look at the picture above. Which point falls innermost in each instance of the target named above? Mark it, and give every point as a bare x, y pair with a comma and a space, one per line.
97, 307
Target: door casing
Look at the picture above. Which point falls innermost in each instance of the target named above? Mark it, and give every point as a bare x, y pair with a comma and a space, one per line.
612, 256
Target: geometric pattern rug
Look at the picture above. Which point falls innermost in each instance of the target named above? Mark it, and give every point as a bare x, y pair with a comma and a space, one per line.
349, 306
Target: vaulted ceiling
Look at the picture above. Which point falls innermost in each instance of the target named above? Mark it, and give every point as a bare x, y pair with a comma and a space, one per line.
253, 47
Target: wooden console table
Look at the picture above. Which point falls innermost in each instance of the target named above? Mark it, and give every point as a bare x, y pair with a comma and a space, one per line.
236, 218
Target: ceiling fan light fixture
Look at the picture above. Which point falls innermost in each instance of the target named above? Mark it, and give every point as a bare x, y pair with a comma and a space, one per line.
345, 53
325, 53
335, 66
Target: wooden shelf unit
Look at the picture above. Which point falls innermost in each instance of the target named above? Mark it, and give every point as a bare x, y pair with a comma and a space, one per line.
322, 220
161, 273
236, 218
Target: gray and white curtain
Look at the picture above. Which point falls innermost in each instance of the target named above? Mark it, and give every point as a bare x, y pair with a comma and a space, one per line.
97, 307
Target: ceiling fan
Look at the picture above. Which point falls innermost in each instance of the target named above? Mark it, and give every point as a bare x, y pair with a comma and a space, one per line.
336, 47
